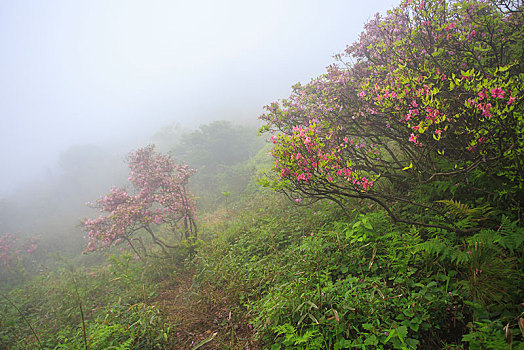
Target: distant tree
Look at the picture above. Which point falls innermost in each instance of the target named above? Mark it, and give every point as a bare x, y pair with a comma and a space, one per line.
220, 152
159, 198
218, 144
430, 96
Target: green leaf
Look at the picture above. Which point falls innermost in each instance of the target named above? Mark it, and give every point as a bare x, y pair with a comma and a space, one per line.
202, 343
371, 340
409, 166
367, 326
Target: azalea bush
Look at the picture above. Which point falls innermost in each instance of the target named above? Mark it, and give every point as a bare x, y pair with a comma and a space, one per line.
429, 96
159, 199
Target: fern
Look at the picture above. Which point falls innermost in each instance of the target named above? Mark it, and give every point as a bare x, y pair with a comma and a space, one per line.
445, 250
468, 216
509, 236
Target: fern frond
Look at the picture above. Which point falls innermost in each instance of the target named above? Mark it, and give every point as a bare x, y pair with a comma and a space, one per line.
511, 235
445, 251
469, 216
460, 210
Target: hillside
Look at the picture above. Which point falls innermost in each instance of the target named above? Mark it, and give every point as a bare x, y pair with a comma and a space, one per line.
379, 207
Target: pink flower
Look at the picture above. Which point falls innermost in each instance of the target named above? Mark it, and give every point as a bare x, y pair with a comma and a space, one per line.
482, 95
511, 100
497, 92
438, 132
298, 200
413, 138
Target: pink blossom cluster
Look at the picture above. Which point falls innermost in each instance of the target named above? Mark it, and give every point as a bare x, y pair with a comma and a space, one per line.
160, 198
11, 248
304, 155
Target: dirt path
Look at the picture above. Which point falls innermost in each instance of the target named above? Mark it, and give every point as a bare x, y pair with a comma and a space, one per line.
203, 316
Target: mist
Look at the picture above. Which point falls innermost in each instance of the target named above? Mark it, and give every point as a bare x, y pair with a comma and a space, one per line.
84, 84
113, 73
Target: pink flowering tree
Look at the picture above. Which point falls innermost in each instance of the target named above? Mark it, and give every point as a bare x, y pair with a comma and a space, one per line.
159, 198
429, 97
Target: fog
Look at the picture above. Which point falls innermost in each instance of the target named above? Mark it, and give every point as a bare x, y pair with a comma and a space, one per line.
114, 72
84, 83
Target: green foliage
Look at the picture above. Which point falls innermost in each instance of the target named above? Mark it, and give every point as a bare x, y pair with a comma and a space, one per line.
489, 335
219, 151
364, 281
115, 300
311, 339
138, 326
464, 211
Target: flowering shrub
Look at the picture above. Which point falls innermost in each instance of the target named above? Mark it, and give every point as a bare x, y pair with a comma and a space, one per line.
430, 92
7, 242
16, 257
160, 198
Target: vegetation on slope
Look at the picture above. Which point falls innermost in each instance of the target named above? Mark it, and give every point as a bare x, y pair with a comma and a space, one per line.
396, 222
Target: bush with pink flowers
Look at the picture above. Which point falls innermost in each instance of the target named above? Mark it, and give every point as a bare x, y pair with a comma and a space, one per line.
430, 96
159, 198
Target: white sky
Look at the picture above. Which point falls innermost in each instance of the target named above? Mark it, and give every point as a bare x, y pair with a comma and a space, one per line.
99, 71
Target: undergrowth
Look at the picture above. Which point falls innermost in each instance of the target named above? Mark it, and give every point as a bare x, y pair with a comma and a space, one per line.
316, 278
116, 300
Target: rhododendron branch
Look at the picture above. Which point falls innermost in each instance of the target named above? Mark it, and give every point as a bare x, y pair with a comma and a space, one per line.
157, 241
130, 242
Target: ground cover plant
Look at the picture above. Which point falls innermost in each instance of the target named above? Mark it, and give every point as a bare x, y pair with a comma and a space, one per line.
321, 280
111, 304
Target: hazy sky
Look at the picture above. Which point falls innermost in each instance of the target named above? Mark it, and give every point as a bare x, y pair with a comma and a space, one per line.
74, 72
